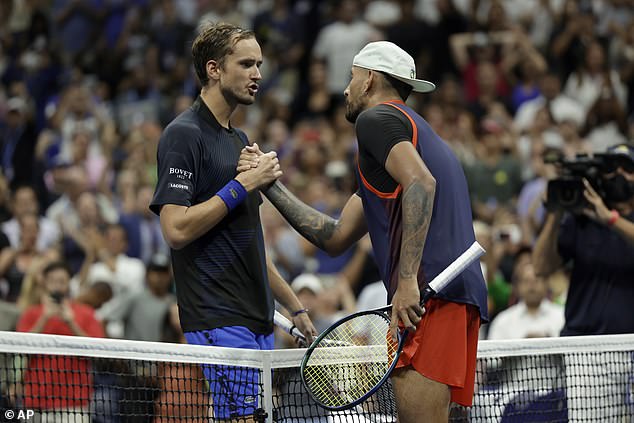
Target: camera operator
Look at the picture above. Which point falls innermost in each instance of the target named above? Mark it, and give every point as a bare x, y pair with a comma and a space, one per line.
598, 240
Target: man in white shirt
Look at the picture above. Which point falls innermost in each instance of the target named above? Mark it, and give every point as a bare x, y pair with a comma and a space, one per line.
561, 107
126, 276
338, 42
534, 316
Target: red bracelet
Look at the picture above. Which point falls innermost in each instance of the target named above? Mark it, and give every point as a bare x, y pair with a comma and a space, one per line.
614, 216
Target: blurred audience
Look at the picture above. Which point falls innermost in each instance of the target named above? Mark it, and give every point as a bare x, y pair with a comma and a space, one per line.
86, 88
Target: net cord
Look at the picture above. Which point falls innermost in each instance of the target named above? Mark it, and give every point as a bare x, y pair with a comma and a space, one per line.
20, 343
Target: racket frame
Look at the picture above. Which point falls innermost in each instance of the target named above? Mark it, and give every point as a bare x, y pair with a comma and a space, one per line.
402, 337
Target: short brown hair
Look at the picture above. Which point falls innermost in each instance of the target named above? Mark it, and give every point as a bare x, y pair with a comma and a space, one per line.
215, 42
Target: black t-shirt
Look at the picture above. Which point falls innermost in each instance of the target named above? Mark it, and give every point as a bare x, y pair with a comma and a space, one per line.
379, 129
601, 292
221, 277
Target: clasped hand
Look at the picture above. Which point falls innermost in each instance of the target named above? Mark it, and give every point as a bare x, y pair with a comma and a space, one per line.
257, 169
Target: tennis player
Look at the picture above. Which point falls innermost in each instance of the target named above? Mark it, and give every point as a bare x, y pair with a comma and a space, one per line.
210, 218
413, 200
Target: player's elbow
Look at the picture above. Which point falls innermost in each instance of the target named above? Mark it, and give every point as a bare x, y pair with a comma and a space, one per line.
429, 185
425, 182
175, 239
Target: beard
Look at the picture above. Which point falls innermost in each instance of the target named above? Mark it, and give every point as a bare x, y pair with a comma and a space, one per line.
353, 111
235, 96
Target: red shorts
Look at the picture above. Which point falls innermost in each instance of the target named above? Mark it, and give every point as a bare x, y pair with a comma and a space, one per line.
444, 347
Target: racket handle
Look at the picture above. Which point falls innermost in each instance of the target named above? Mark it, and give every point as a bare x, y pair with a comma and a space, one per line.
454, 269
288, 327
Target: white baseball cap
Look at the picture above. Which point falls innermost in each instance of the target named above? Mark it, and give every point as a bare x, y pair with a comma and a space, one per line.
307, 281
384, 56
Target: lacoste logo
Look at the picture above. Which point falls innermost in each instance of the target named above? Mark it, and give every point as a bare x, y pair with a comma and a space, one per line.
233, 192
178, 186
412, 73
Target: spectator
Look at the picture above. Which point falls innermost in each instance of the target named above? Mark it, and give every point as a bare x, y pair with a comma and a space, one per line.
560, 106
534, 316
95, 295
145, 312
143, 228
15, 261
33, 283
24, 201
471, 50
73, 182
80, 244
125, 274
66, 394
338, 42
573, 31
17, 143
585, 85
606, 123
495, 179
308, 287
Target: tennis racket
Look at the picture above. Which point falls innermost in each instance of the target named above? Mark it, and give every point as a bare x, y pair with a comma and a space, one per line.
365, 354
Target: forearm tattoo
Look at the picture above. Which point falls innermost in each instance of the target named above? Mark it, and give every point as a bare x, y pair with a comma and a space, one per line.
316, 227
417, 203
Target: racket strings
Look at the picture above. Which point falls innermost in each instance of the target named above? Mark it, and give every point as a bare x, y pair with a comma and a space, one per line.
350, 360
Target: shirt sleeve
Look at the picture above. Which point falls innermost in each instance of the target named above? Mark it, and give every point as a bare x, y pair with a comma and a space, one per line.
177, 164
379, 129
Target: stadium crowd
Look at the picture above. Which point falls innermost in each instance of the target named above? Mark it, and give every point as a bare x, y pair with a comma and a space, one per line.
86, 87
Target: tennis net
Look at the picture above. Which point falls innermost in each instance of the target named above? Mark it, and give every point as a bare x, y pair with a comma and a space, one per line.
72, 379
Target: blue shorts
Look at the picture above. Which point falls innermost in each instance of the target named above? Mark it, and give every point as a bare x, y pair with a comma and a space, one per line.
235, 390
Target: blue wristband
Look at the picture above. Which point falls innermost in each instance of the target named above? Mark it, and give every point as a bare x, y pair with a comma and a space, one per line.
232, 194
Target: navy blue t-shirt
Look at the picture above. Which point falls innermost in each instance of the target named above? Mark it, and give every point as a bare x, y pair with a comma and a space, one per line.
451, 228
221, 277
601, 292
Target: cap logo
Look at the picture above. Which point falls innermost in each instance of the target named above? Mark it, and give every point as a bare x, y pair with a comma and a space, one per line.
412, 73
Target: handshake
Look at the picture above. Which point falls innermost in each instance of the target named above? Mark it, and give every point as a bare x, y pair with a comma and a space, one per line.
257, 169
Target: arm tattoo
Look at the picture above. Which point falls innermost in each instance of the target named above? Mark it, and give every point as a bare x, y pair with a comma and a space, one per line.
417, 203
315, 226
